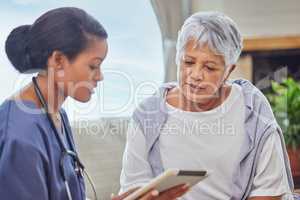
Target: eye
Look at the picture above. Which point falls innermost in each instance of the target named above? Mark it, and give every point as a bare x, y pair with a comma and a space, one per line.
93, 67
189, 62
210, 68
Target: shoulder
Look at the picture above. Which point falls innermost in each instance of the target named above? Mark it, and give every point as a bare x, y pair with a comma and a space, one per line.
21, 124
155, 103
249, 90
255, 100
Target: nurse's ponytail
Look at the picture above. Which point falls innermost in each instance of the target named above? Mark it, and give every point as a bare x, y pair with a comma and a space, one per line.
16, 48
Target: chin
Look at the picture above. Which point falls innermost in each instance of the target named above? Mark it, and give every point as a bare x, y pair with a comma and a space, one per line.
83, 98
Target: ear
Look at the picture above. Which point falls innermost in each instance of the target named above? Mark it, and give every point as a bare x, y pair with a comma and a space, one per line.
57, 61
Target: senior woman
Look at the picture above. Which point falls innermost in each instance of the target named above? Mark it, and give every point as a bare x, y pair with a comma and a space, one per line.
206, 122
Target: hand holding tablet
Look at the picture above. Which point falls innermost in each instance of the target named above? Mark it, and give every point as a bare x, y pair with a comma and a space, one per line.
168, 180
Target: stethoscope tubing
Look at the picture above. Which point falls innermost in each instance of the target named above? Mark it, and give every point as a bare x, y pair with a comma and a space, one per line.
65, 151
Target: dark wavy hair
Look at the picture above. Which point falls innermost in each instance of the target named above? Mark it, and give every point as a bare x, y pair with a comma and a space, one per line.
66, 29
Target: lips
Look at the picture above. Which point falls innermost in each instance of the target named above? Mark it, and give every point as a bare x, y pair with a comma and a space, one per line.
196, 87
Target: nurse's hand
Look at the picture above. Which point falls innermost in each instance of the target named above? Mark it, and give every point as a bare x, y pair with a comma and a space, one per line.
169, 194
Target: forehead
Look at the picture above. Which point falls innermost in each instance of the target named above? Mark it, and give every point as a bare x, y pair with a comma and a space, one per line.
195, 49
95, 48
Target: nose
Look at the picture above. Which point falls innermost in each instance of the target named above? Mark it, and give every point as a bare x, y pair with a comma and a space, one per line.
197, 73
99, 76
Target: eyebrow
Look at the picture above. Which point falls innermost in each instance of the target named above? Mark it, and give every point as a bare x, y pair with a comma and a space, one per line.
194, 58
213, 62
98, 58
187, 56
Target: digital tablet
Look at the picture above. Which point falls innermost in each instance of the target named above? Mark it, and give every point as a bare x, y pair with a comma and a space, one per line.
169, 179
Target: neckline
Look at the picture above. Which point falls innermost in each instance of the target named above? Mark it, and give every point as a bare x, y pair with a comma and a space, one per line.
26, 106
219, 110
20, 103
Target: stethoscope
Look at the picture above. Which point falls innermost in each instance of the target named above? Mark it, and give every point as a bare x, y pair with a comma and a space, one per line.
79, 167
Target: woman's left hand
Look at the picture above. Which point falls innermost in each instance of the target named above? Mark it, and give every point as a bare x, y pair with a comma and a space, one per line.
170, 194
125, 194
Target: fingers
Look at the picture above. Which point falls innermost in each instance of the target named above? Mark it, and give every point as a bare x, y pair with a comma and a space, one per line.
174, 192
153, 194
125, 194
170, 194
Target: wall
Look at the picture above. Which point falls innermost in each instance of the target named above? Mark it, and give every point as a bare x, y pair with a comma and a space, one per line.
258, 18
264, 18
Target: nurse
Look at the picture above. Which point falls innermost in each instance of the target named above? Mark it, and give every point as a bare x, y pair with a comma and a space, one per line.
38, 158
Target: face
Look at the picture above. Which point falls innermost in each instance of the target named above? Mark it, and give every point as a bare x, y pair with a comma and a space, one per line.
82, 74
202, 73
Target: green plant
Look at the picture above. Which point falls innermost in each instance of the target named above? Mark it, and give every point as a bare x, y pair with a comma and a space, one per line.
285, 101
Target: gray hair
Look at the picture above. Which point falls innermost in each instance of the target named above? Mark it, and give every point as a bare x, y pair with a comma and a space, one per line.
216, 30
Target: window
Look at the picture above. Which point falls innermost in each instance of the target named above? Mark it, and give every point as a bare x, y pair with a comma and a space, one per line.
134, 65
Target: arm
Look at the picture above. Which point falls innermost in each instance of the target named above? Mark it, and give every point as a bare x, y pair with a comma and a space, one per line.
270, 180
136, 171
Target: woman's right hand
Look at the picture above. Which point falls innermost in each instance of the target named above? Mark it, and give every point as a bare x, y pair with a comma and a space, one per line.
170, 194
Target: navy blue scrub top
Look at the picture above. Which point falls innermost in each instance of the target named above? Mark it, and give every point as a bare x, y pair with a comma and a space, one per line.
30, 155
